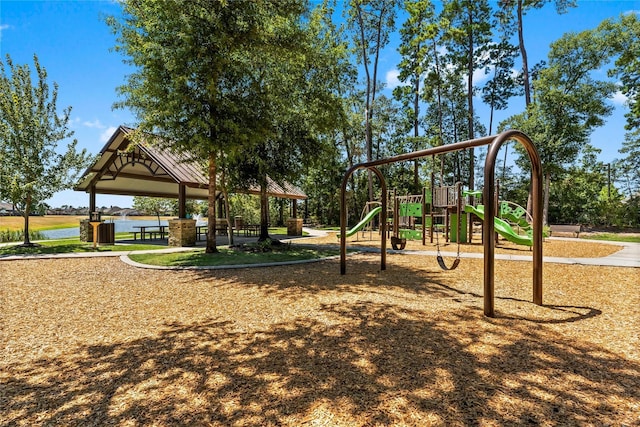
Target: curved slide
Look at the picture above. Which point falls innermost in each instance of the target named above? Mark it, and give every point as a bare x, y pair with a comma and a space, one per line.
375, 211
502, 227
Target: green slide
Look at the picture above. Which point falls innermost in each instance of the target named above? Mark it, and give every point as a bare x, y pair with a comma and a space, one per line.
502, 227
364, 222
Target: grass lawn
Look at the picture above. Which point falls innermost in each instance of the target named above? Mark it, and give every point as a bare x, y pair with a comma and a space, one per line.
54, 222
230, 256
70, 246
39, 223
613, 237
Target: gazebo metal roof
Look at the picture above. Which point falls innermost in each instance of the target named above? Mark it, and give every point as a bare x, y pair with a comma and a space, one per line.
149, 170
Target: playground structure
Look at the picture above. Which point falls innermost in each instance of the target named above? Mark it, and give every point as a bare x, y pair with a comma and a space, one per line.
489, 212
435, 210
366, 218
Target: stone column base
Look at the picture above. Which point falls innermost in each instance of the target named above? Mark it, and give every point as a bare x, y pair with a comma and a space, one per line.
294, 227
182, 232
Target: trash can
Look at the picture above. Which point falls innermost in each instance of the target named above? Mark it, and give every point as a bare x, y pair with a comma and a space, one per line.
106, 233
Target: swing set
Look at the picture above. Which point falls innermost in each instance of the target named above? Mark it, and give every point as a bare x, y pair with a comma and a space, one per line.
436, 209
488, 230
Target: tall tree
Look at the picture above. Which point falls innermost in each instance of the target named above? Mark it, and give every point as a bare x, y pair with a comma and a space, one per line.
521, 7
623, 37
32, 167
416, 32
200, 74
304, 104
372, 22
503, 83
469, 39
570, 103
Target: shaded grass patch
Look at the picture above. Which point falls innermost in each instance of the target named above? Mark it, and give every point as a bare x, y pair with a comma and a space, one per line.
62, 246
613, 237
234, 256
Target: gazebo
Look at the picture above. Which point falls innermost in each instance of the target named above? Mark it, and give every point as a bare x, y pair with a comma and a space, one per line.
144, 169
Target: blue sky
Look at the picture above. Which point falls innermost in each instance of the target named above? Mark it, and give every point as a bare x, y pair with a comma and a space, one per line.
74, 45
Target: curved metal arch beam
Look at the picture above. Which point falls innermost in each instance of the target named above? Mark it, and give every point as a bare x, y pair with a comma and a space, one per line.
134, 161
343, 217
488, 229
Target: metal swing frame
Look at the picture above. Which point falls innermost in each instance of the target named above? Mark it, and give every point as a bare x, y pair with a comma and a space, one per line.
488, 229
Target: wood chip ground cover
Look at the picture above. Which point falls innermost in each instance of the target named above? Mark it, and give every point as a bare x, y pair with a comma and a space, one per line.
97, 342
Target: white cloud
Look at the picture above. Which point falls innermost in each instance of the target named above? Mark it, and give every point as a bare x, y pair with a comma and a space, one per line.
619, 98
392, 79
108, 132
96, 124
479, 75
2, 28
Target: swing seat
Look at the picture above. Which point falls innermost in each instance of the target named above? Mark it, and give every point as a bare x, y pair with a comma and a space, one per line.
443, 266
398, 243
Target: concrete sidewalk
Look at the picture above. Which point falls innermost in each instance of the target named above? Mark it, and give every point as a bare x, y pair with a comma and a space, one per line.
628, 256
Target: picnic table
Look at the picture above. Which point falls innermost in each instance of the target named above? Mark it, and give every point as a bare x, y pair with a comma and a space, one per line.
150, 231
246, 230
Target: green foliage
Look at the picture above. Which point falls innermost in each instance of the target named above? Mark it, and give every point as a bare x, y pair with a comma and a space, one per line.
623, 39
18, 235
230, 256
32, 168
155, 206
610, 237
240, 85
569, 102
246, 206
71, 246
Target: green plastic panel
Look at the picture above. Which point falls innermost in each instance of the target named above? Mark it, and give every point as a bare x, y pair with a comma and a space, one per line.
410, 234
410, 209
454, 228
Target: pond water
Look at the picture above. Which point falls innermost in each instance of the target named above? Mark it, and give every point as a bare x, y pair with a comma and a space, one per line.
121, 225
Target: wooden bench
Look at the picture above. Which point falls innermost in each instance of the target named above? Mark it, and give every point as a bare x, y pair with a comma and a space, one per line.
561, 228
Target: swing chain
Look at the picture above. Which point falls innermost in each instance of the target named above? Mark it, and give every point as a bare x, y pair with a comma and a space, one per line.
439, 257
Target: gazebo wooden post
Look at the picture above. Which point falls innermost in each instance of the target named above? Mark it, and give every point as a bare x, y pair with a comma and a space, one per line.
182, 201
92, 199
294, 208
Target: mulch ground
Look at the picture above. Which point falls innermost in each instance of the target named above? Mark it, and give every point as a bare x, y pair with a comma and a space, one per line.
97, 342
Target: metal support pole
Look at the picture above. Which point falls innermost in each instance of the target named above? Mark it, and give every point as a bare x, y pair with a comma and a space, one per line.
488, 229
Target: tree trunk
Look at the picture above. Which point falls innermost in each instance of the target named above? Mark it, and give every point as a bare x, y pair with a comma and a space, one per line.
211, 212
264, 214
416, 132
523, 54
25, 215
367, 113
225, 196
228, 211
471, 66
439, 94
504, 167
545, 209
